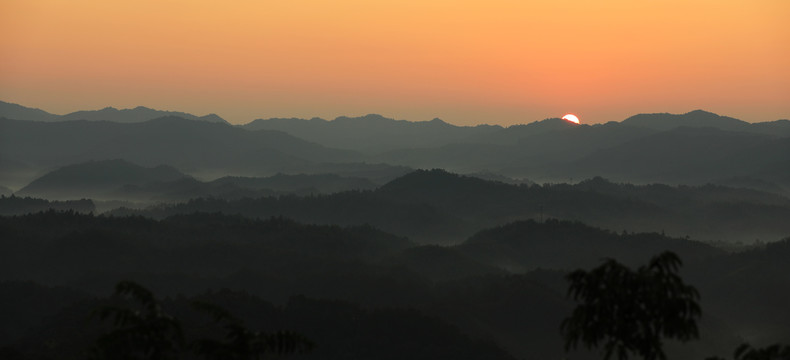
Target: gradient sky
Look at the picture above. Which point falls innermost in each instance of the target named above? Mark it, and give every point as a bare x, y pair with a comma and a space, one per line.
467, 62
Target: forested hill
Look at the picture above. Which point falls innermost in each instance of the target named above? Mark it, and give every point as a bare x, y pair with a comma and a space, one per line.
434, 206
277, 258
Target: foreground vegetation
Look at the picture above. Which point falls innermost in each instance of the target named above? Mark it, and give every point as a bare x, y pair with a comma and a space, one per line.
345, 286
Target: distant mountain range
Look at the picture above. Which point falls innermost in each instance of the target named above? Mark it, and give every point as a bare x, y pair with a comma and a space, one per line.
696, 147
138, 114
700, 118
373, 133
693, 148
199, 148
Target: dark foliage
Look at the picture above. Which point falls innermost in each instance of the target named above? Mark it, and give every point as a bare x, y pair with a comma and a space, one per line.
629, 312
14, 205
242, 343
772, 352
142, 332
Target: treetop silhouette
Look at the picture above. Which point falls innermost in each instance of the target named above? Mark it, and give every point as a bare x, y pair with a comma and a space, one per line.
629, 312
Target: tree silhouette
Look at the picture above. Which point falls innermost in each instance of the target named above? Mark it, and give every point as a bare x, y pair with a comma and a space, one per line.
747, 352
146, 332
241, 343
140, 333
629, 312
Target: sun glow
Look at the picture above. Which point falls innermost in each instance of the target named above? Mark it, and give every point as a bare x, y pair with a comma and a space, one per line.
572, 118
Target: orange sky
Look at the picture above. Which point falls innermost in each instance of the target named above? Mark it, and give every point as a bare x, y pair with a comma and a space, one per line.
467, 62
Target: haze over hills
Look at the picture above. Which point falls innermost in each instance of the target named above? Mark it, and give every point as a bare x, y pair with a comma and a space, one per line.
687, 155
138, 114
303, 211
5, 191
519, 151
276, 258
436, 207
550, 150
95, 179
121, 180
195, 147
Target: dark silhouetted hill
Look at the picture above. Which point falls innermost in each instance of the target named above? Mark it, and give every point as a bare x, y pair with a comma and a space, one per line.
27, 304
696, 118
15, 174
528, 245
742, 293
232, 187
733, 284
700, 118
775, 128
122, 180
96, 179
19, 112
300, 184
513, 134
192, 146
521, 152
705, 149
440, 263
490, 176
437, 207
688, 156
138, 114
15, 205
339, 329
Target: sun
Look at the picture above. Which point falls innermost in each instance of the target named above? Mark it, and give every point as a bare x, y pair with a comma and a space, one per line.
572, 118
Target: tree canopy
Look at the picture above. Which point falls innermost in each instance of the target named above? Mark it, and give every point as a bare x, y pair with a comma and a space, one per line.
629, 312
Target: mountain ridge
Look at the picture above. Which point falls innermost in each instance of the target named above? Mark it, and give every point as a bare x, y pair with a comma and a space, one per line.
134, 115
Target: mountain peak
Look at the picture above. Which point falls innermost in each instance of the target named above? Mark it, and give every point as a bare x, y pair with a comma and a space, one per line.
19, 112
135, 115
92, 178
700, 112
695, 118
368, 117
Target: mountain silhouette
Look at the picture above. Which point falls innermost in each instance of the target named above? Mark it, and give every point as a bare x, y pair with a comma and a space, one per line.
513, 134
520, 152
701, 118
690, 156
696, 118
372, 133
644, 148
300, 183
138, 114
124, 181
527, 245
19, 112
197, 147
95, 179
